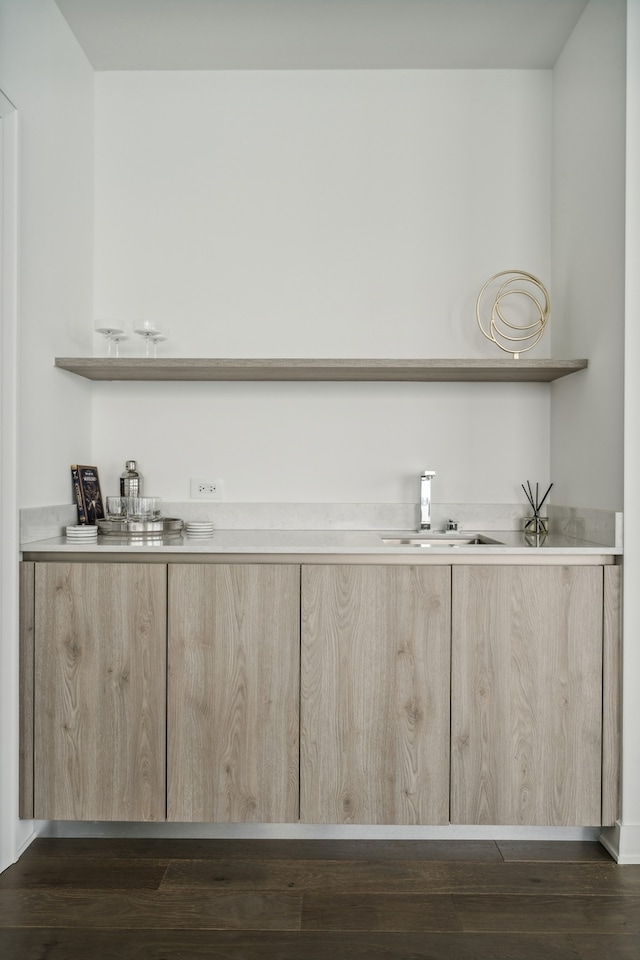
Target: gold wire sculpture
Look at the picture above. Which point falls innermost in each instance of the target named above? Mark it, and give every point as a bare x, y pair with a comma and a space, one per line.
499, 328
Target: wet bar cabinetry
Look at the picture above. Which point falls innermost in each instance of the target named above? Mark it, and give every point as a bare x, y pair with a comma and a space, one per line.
320, 692
99, 691
95, 642
233, 692
526, 677
375, 694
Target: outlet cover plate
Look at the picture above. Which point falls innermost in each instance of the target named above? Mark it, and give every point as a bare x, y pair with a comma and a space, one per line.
201, 488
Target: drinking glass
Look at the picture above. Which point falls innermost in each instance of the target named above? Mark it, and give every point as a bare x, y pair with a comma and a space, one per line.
113, 334
143, 508
157, 338
152, 334
116, 507
116, 339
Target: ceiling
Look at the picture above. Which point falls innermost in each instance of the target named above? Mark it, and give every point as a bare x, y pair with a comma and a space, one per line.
321, 34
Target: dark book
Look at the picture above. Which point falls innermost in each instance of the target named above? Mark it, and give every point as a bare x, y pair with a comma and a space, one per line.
88, 494
77, 494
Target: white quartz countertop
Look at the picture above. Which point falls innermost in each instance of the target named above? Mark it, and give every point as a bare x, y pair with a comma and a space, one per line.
326, 542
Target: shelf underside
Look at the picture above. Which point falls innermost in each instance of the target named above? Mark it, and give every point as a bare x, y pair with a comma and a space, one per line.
179, 368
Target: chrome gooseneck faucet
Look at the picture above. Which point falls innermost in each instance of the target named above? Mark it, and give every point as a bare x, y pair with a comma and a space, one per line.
425, 498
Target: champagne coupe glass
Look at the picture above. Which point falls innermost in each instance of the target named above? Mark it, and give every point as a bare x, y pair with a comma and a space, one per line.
150, 332
116, 339
112, 334
158, 337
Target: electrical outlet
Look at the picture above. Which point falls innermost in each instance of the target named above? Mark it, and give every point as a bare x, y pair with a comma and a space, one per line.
202, 489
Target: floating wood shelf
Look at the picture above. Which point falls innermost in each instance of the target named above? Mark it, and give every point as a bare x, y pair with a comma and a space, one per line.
179, 368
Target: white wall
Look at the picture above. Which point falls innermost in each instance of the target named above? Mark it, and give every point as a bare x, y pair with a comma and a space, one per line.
9, 154
589, 83
337, 213
44, 73
630, 833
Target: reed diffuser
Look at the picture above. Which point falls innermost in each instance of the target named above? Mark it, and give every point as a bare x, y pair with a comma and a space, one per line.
536, 525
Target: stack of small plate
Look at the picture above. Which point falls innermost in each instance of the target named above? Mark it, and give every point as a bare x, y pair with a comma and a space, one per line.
82, 534
199, 529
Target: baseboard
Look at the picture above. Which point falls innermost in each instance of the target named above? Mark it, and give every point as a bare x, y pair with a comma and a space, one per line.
26, 842
622, 841
295, 831
17, 850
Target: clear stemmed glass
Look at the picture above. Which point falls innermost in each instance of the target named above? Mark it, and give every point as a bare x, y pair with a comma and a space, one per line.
155, 339
113, 334
151, 333
116, 339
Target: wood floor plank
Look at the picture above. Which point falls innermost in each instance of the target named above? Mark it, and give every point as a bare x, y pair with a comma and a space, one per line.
560, 914
191, 910
84, 873
577, 851
194, 849
100, 899
397, 913
404, 876
614, 947
55, 944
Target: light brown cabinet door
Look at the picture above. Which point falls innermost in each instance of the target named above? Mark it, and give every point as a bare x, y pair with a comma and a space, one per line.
234, 660
99, 691
526, 695
375, 694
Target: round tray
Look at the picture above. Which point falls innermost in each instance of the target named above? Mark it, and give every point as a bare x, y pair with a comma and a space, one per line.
164, 527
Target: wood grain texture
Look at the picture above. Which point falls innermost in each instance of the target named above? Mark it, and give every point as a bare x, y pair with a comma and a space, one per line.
234, 658
375, 694
155, 909
63, 944
33, 873
53, 905
611, 695
122, 849
403, 876
596, 946
100, 653
402, 912
26, 662
559, 914
498, 369
561, 851
526, 695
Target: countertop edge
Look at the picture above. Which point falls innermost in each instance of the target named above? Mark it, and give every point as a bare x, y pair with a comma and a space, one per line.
188, 553
330, 545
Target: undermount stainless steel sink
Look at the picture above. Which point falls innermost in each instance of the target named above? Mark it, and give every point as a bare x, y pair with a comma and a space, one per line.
445, 540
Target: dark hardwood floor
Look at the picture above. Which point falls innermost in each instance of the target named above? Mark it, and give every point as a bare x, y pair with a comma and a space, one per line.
305, 900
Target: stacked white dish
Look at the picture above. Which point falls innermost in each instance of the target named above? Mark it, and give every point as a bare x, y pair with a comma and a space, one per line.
199, 529
84, 533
